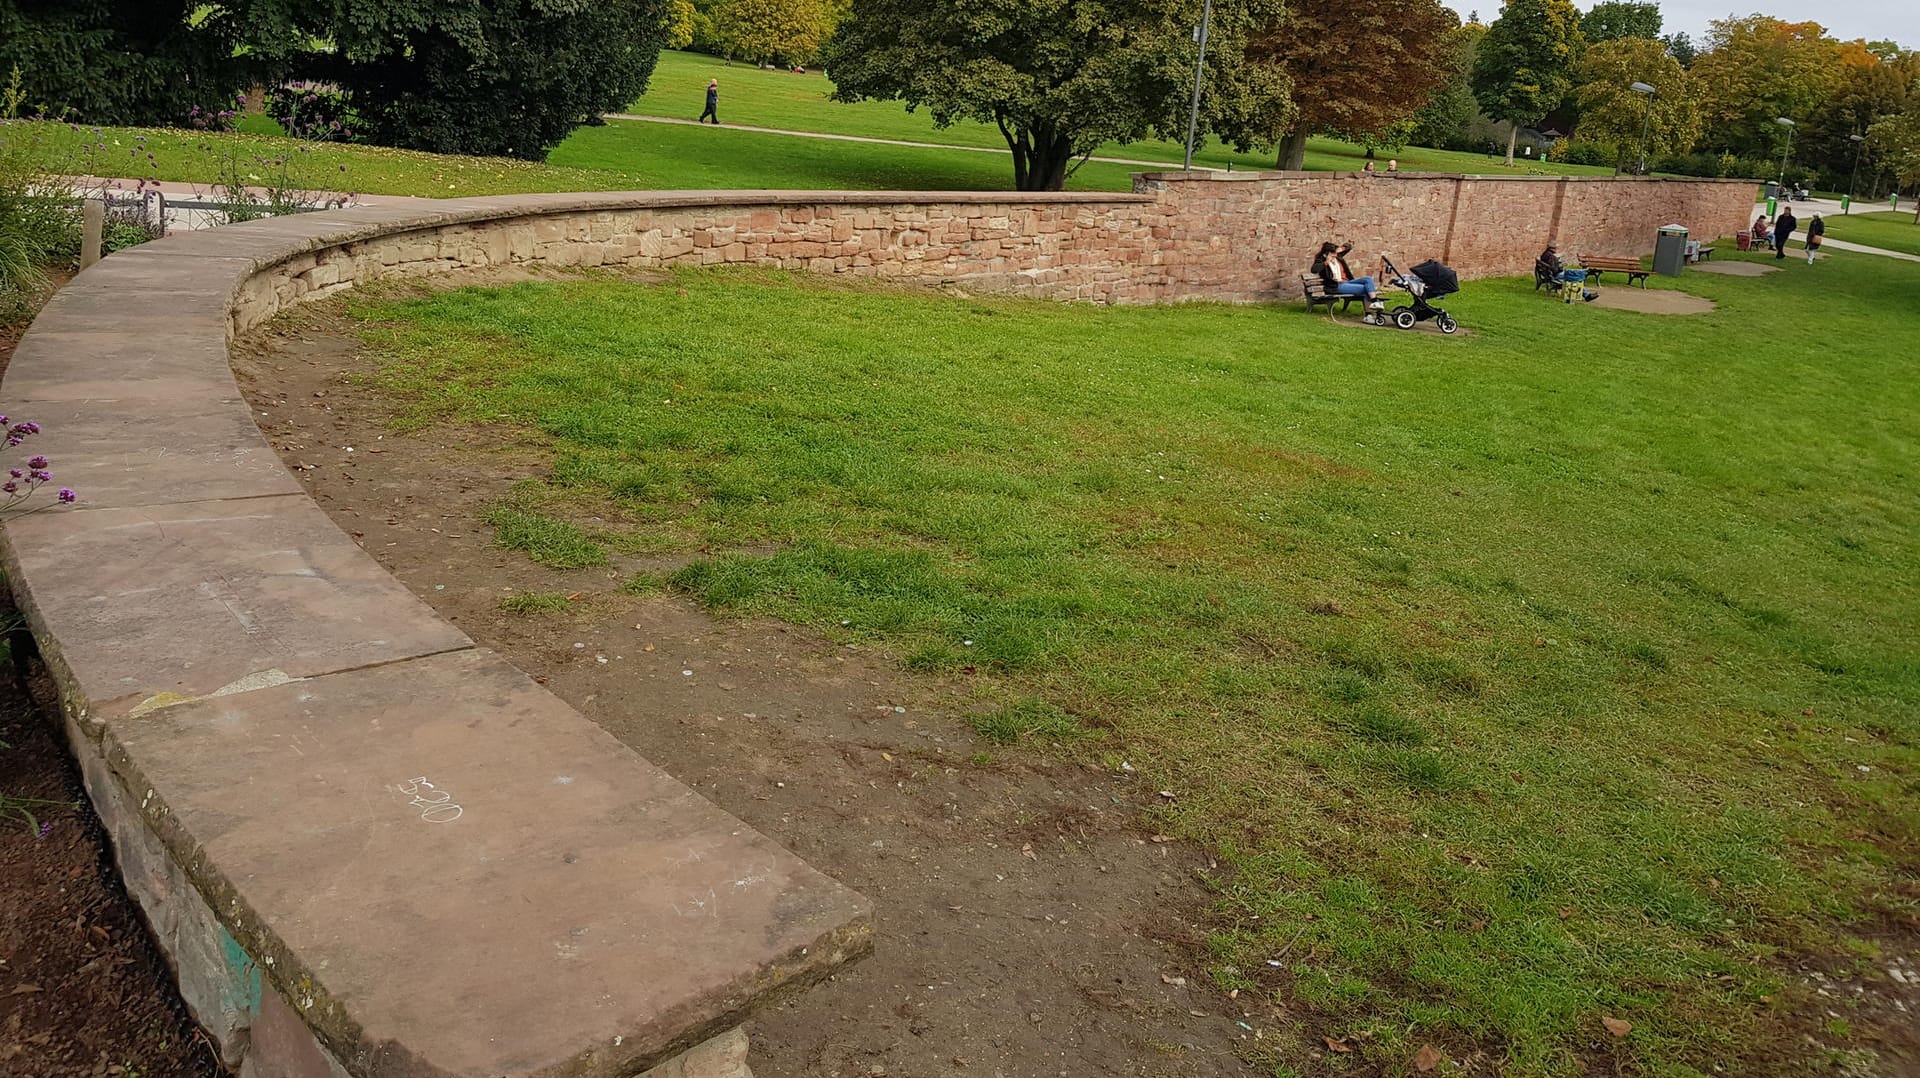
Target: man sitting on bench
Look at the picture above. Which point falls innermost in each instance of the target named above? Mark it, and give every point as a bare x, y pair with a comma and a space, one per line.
1331, 265
1549, 266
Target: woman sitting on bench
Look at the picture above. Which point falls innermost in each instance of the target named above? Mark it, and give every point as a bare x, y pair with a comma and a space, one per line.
1331, 265
1762, 235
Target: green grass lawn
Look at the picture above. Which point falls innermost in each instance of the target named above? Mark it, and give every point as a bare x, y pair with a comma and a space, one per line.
780, 99
1888, 230
618, 157
1564, 669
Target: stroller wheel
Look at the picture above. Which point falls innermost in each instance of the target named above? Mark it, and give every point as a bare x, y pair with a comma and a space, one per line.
1404, 317
1446, 322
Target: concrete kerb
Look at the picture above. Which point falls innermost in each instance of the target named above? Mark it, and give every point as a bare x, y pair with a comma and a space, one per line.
282, 738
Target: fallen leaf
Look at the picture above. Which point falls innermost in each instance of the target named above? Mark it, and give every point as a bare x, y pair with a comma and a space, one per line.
1340, 1045
1162, 838
1619, 1027
1177, 982
22, 990
649, 647
1427, 1058
1028, 850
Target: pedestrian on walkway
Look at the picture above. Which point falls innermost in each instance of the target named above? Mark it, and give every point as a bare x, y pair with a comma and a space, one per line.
1783, 227
1816, 231
713, 102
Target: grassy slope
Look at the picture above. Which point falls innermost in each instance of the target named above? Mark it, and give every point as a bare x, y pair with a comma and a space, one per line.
632, 156
1888, 230
792, 102
1564, 669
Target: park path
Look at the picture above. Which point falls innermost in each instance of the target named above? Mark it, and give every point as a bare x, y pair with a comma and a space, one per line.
682, 121
1843, 245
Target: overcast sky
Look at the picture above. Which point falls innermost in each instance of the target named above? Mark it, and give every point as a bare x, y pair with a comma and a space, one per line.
1848, 19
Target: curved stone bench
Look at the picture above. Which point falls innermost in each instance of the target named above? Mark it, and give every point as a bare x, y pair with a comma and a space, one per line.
369, 846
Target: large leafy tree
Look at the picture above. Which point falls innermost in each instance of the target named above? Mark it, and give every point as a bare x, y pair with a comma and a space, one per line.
1611, 20
106, 62
1523, 67
763, 30
1895, 140
1059, 77
1871, 86
1757, 68
506, 77
1612, 114
1447, 118
1360, 69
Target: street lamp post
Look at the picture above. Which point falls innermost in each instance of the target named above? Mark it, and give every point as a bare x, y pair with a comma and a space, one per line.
1199, 72
1646, 121
1859, 144
1784, 154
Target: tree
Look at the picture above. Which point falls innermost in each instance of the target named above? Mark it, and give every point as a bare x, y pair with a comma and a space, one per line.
505, 77
112, 63
1895, 141
788, 31
1680, 47
1445, 120
1611, 20
1871, 87
1523, 66
1758, 68
681, 19
1359, 68
1059, 77
1613, 114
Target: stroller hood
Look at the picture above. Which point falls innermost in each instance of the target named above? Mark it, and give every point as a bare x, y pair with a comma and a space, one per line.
1439, 279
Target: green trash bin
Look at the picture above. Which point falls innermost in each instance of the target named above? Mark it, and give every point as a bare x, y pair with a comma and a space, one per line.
1846, 203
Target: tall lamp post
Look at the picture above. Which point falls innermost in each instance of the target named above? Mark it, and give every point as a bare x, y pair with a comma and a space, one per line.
1784, 154
1646, 122
1199, 72
1859, 143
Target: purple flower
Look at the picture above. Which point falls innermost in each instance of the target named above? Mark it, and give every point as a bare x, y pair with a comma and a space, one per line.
40, 476
37, 462
28, 427
17, 473
68, 496
9, 486
14, 439
46, 828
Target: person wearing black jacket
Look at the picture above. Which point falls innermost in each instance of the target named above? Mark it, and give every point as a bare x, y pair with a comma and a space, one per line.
713, 102
1331, 265
1783, 227
1816, 231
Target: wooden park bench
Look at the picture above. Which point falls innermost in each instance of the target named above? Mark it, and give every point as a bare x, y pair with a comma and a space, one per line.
1317, 295
1598, 264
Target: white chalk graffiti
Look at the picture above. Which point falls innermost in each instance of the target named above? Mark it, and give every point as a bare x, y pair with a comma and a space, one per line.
435, 805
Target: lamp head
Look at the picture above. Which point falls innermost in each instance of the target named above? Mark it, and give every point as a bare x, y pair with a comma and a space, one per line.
1783, 121
1642, 88
1856, 138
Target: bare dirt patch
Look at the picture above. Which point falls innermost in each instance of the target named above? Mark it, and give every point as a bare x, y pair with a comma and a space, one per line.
1027, 923
1652, 300
84, 993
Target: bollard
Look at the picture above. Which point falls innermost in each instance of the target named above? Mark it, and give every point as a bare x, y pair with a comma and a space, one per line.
93, 220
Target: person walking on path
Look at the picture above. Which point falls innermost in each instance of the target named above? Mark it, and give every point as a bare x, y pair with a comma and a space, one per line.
713, 102
1783, 227
1816, 231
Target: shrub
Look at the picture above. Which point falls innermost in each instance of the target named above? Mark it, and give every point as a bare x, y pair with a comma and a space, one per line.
1586, 153
36, 224
314, 112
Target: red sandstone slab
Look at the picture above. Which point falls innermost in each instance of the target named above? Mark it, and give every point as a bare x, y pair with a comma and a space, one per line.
447, 871
171, 601
147, 452
55, 364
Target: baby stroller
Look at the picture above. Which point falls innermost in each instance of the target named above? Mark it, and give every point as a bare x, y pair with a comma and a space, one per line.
1427, 282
